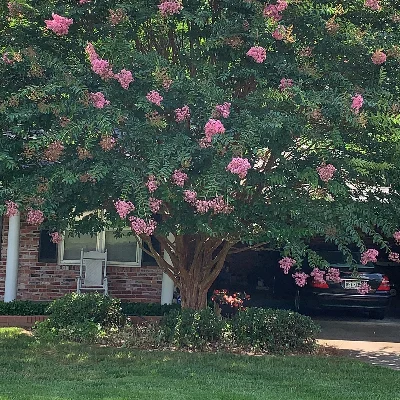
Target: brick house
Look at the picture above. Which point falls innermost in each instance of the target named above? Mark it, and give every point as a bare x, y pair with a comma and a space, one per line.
34, 268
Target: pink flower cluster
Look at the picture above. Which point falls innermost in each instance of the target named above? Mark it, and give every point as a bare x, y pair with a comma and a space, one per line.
300, 278
318, 275
154, 97
364, 288
151, 184
395, 257
285, 84
190, 196
179, 177
326, 172
170, 7
373, 4
378, 57
396, 236
7, 60
123, 207
59, 25
222, 110
217, 205
369, 255
273, 11
333, 275
279, 33
239, 166
99, 66
286, 263
124, 77
141, 227
84, 1
98, 100
56, 237
154, 204
12, 208
34, 217
213, 127
182, 114
357, 103
257, 53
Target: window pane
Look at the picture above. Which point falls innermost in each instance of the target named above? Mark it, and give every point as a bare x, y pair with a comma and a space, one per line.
73, 245
122, 249
47, 249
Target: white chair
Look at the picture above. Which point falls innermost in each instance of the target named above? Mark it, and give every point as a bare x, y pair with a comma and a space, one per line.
93, 272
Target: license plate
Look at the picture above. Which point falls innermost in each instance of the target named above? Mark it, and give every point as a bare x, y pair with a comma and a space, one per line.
351, 284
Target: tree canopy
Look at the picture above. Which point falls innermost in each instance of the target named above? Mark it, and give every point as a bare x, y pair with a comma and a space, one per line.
218, 121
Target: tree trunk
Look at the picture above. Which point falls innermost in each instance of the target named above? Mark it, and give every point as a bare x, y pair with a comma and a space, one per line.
193, 296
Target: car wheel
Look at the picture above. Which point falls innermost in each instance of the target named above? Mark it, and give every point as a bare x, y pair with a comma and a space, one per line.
377, 314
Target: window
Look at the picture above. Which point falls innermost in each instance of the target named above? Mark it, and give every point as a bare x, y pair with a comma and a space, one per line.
122, 250
47, 249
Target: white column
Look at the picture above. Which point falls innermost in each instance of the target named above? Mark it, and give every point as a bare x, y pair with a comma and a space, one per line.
167, 287
10, 289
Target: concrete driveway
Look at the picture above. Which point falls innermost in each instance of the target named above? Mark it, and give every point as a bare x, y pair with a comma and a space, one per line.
373, 341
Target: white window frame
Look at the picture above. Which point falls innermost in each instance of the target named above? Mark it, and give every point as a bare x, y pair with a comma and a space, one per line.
100, 246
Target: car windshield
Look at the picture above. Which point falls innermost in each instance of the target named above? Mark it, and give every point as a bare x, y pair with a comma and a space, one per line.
338, 260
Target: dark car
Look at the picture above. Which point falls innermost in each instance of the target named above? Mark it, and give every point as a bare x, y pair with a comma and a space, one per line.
345, 294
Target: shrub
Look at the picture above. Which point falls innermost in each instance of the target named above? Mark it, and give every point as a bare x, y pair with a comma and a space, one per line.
81, 317
148, 309
274, 331
192, 329
23, 307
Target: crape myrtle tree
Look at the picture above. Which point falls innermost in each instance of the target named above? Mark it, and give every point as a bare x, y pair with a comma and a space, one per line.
205, 124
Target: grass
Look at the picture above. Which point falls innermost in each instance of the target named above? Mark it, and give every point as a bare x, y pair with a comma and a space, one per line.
30, 370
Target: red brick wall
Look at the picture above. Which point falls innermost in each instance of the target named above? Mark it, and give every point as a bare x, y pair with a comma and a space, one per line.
46, 281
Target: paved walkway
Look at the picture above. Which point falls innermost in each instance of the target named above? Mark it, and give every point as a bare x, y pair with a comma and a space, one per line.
376, 342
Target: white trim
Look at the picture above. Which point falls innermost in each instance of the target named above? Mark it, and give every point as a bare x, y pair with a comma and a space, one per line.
168, 285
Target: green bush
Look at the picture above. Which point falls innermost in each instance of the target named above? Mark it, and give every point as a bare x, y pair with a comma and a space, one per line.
192, 329
273, 331
24, 307
148, 309
81, 317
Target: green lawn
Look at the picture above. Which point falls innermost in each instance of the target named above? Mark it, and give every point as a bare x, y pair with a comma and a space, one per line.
32, 371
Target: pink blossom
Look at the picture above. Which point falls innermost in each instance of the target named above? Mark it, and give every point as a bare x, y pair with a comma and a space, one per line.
213, 127
239, 166
286, 263
357, 103
98, 100
99, 66
6, 60
151, 184
123, 207
182, 114
364, 288
369, 255
154, 204
34, 217
124, 77
333, 275
56, 237
318, 275
258, 53
179, 177
202, 206
395, 257
204, 143
170, 7
326, 172
300, 278
12, 208
372, 4
166, 83
396, 236
379, 57
273, 11
141, 227
59, 25
223, 110
190, 196
154, 97
219, 206
279, 33
84, 1
285, 84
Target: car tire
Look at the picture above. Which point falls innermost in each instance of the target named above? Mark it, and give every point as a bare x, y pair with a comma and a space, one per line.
377, 314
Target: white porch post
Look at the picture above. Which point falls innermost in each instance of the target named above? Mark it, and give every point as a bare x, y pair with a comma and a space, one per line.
10, 289
167, 287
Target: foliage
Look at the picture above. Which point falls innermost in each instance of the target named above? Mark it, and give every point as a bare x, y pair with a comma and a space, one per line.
147, 309
241, 124
81, 317
24, 307
274, 331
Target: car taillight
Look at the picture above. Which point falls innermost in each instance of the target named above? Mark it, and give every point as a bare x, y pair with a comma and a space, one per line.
385, 284
319, 284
